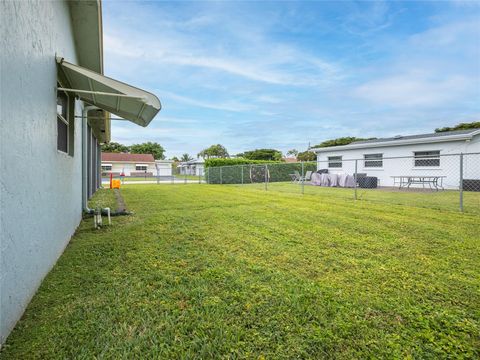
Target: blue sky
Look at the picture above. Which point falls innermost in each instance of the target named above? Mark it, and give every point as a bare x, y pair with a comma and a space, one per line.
282, 74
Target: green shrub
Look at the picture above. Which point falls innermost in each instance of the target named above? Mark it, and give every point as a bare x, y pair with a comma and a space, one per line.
236, 161
255, 173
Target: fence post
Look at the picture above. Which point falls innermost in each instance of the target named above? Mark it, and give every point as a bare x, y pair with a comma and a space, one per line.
355, 179
266, 172
303, 178
208, 175
461, 182
241, 169
221, 175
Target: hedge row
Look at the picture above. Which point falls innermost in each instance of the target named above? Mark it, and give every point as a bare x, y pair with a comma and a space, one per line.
236, 161
255, 173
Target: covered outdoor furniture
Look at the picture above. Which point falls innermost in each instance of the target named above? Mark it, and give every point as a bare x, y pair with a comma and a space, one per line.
333, 179
345, 180
435, 182
319, 179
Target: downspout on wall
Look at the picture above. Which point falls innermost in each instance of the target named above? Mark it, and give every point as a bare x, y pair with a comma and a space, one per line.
85, 111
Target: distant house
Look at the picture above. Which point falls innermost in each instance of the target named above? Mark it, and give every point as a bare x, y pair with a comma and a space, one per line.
192, 167
289, 159
134, 165
413, 155
55, 106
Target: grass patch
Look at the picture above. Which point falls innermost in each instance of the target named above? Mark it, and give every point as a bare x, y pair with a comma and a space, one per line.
188, 177
103, 198
442, 200
224, 271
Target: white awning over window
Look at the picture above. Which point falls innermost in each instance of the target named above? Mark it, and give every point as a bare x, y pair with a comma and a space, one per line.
125, 101
141, 165
104, 164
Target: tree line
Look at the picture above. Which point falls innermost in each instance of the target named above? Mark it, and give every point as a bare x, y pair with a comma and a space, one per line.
220, 151
153, 148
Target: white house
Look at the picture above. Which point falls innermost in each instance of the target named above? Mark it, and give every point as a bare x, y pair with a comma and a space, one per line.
164, 167
192, 167
55, 103
134, 165
435, 154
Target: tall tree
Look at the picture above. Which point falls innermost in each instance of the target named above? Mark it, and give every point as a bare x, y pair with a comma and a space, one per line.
214, 151
292, 152
149, 148
307, 156
461, 126
263, 154
114, 147
186, 157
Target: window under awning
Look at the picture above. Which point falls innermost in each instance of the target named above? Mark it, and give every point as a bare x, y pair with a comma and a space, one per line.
116, 97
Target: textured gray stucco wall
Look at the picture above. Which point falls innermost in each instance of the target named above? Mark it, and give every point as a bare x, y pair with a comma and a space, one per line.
40, 188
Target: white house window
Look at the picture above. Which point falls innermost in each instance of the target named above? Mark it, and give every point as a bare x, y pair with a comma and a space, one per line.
427, 158
107, 167
62, 121
334, 161
373, 160
141, 167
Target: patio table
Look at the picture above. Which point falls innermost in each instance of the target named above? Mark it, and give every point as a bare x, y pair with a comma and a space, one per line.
433, 181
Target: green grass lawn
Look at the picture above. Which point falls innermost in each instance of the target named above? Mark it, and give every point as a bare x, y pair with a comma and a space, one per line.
442, 200
208, 271
178, 178
188, 177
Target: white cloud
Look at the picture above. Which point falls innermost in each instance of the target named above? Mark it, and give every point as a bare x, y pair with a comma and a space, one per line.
227, 106
360, 72
413, 89
277, 64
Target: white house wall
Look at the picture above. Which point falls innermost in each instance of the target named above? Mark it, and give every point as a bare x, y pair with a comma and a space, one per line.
449, 165
41, 188
165, 169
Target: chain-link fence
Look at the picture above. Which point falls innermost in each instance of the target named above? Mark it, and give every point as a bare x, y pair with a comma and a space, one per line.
175, 175
449, 182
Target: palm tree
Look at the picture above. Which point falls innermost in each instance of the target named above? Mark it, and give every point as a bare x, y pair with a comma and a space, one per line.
186, 157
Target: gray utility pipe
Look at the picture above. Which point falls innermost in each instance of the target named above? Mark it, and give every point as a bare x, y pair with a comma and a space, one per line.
85, 111
86, 209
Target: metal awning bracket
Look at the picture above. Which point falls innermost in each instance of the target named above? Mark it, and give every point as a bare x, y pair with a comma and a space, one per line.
101, 93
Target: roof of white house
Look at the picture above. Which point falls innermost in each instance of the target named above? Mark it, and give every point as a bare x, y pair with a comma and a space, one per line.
193, 162
125, 157
457, 135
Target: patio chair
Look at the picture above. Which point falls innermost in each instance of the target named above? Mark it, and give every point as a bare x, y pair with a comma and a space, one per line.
307, 177
296, 177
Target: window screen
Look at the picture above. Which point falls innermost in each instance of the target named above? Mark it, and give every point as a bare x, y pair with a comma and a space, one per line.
62, 121
373, 160
334, 161
427, 158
